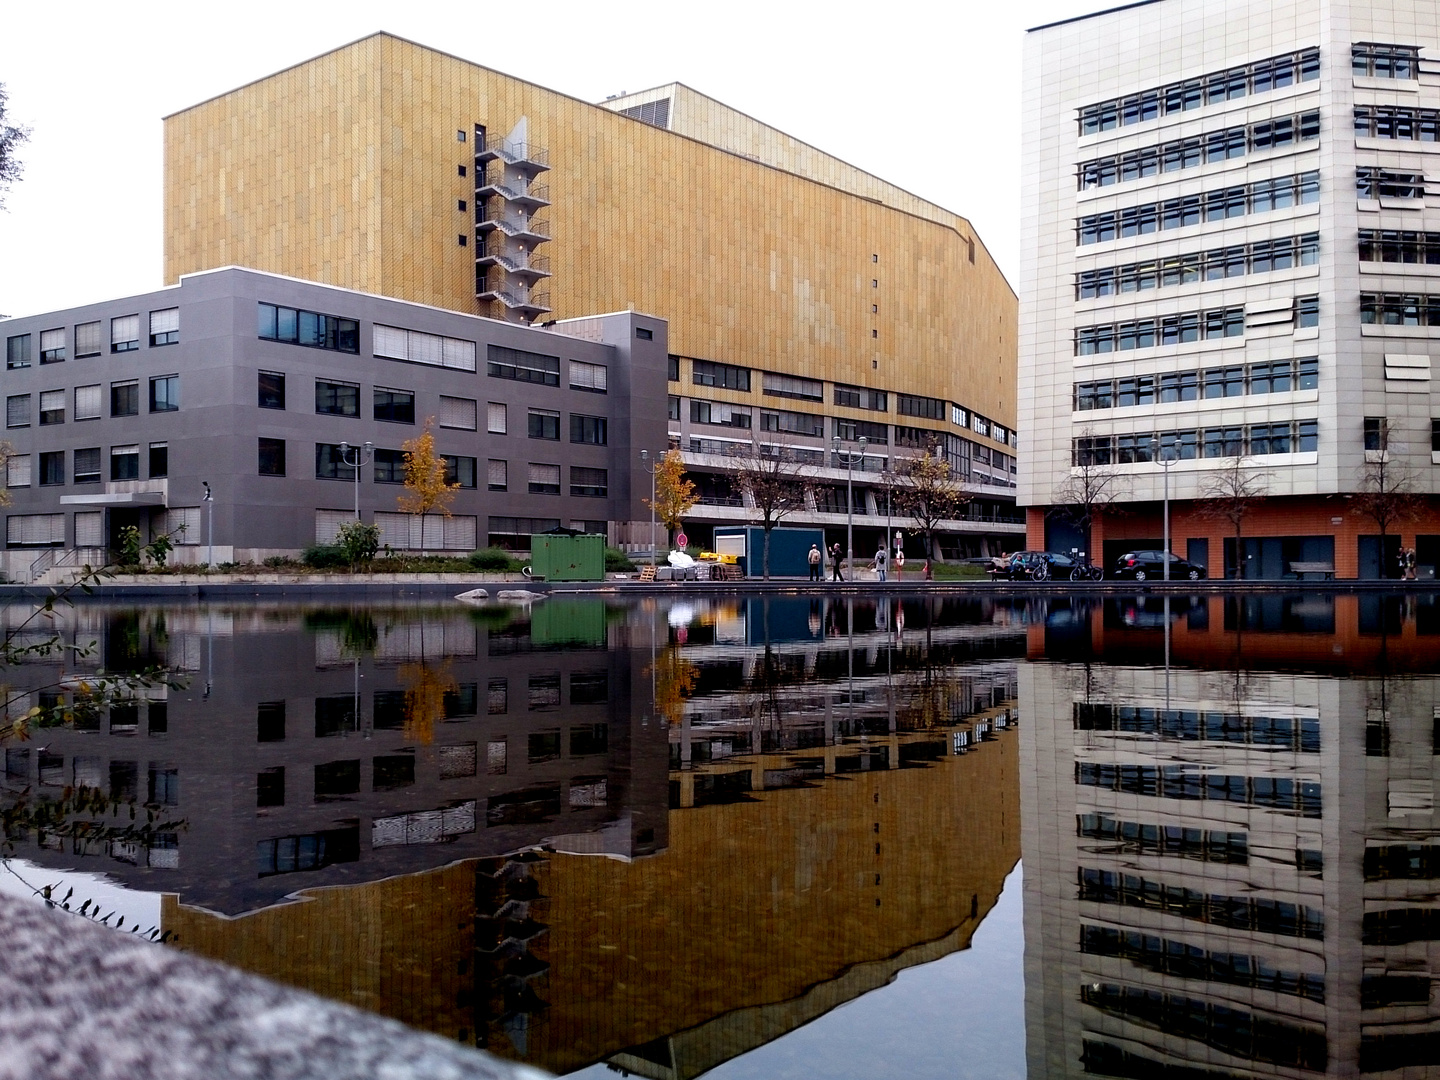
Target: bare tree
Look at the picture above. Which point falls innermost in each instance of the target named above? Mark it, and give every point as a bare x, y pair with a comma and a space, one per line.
1091, 487
927, 492
1232, 493
11, 136
776, 481
1388, 493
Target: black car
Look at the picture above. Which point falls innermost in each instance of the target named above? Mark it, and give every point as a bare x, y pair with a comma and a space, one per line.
1039, 566
1150, 565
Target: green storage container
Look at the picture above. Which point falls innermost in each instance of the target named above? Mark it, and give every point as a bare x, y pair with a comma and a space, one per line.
555, 557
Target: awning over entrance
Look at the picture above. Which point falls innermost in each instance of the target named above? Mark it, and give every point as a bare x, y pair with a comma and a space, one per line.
122, 498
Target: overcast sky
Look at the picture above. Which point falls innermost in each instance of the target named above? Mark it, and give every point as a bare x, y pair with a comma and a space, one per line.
924, 95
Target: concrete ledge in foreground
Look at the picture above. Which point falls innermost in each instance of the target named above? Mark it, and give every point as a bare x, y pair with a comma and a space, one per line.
80, 1000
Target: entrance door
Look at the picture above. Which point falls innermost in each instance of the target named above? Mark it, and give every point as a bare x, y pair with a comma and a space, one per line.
119, 518
1197, 550
1372, 565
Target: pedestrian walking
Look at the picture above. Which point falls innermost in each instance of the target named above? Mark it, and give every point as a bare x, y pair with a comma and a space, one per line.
899, 563
882, 559
835, 556
816, 559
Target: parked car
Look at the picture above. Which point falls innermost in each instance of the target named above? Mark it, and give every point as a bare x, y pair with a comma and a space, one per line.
1039, 566
1148, 565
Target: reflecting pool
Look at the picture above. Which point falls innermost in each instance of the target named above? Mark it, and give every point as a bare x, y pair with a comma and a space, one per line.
778, 836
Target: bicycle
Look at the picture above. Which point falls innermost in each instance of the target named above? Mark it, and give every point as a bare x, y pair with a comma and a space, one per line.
1084, 570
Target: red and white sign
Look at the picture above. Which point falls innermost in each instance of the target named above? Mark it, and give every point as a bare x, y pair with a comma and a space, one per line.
681, 540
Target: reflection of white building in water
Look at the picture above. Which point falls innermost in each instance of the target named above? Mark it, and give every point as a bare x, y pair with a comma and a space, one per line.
1229, 874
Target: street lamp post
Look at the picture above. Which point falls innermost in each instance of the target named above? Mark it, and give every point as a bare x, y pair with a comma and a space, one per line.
650, 467
1165, 456
363, 454
209, 502
850, 498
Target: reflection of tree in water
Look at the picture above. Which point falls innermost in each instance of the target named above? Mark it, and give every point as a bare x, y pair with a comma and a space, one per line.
675, 679
426, 687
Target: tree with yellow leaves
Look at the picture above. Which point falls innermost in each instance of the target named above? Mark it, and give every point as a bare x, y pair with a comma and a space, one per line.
674, 494
427, 488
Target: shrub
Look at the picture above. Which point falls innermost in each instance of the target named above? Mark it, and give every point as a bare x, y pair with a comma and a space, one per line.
358, 541
495, 560
617, 562
325, 557
277, 561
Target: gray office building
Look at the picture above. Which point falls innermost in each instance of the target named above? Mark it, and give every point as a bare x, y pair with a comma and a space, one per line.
268, 389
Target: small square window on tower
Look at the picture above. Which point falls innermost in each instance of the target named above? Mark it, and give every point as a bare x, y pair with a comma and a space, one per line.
462, 169
459, 134
463, 240
874, 258
460, 204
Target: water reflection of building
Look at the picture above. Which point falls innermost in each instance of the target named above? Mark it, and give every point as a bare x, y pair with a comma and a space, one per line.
1229, 870
842, 804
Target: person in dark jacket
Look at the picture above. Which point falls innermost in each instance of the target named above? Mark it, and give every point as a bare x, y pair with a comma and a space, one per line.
835, 556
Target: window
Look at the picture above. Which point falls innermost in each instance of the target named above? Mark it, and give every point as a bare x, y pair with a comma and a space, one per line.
17, 351
543, 424
912, 405
460, 470
1385, 61
88, 402
164, 327
589, 377
389, 466
394, 406
858, 397
721, 376
309, 328
522, 366
52, 346
673, 368
792, 386
458, 412
1217, 205
853, 430
1377, 433
125, 398
125, 463
1373, 183
87, 339
793, 423
165, 393
1435, 436
495, 422
1166, 330
270, 786
337, 398
270, 386
52, 407
672, 407
416, 347
17, 411
593, 430
35, 530
718, 413
87, 465
125, 333
90, 533
1307, 311
1188, 153
159, 459
497, 475
330, 464
544, 479
1257, 258
588, 482
52, 468
644, 333
1397, 122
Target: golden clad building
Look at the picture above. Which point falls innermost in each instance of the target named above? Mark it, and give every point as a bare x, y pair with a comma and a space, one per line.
807, 299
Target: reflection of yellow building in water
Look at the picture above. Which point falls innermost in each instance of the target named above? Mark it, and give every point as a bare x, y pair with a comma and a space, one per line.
762, 914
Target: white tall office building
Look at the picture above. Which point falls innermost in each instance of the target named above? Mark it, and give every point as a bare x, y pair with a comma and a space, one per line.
1230, 256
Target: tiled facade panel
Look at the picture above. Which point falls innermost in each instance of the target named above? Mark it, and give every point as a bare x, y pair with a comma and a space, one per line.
345, 169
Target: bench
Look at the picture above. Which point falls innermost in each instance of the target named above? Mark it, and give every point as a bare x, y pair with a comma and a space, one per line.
1300, 569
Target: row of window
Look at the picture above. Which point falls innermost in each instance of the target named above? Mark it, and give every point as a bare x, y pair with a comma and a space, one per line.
124, 337
717, 375
89, 401
1254, 913
1178, 154
1180, 329
1399, 309
1233, 1031
1385, 61
1373, 182
1189, 782
1250, 440
1169, 956
1259, 257
1237, 380
1135, 838
389, 468
1399, 246
1177, 97
1259, 197
1296, 733
1397, 122
296, 326
88, 461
